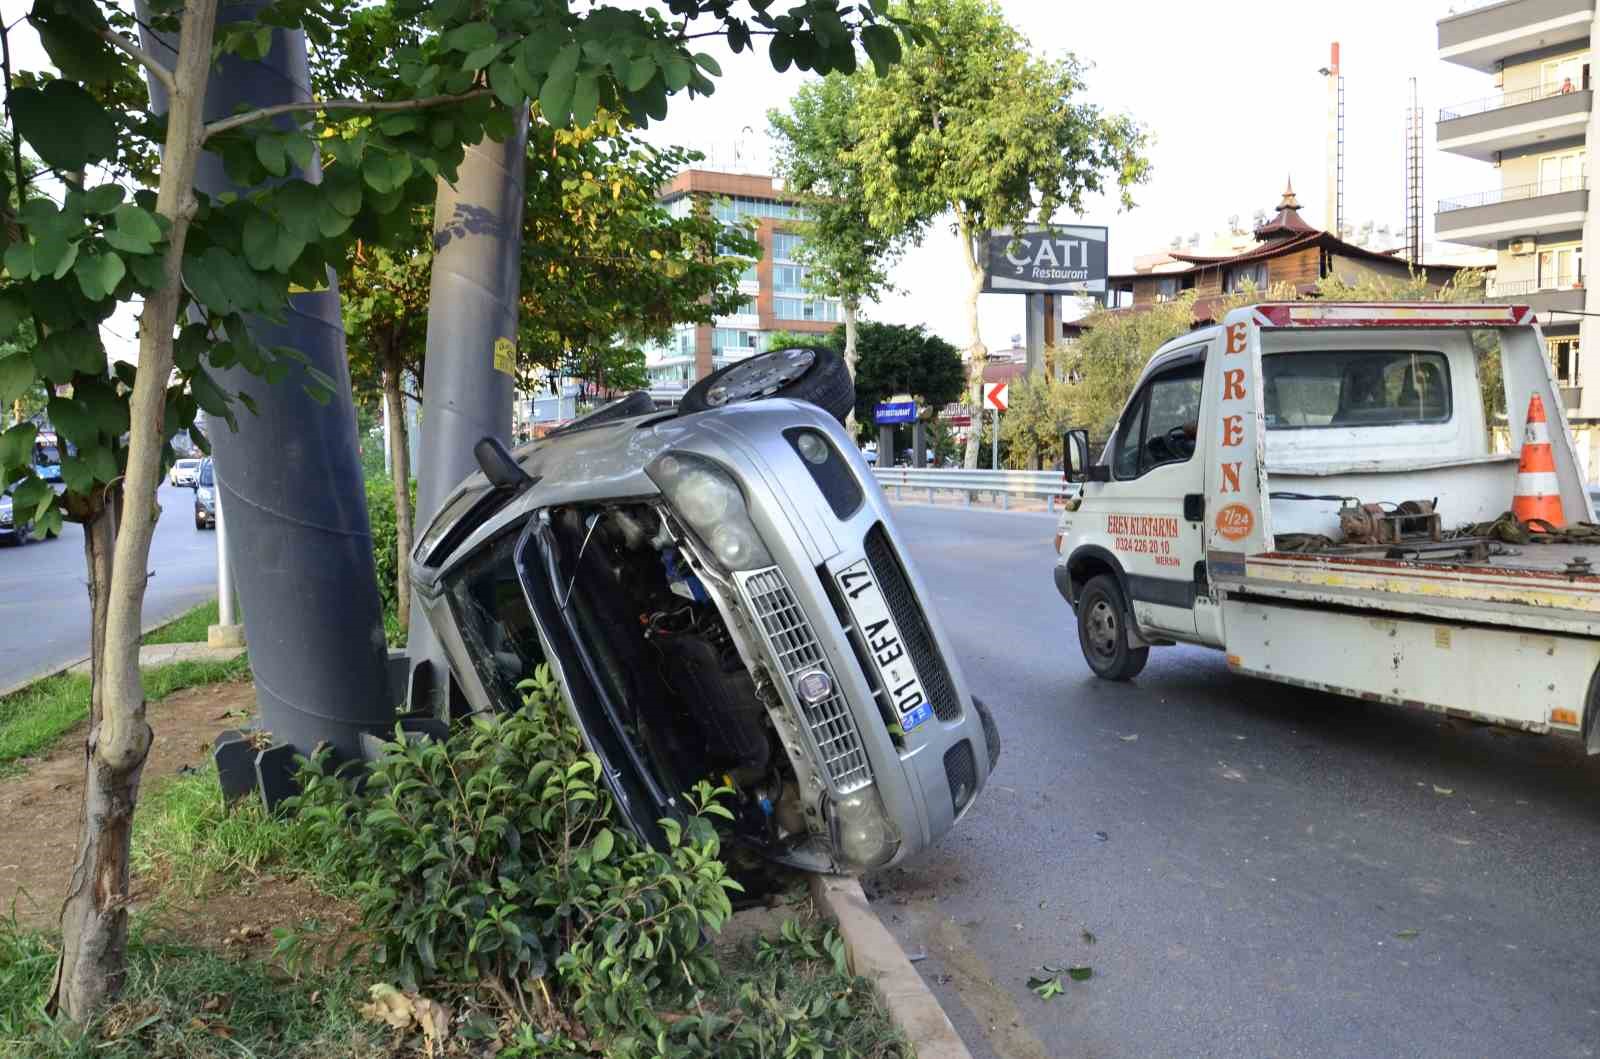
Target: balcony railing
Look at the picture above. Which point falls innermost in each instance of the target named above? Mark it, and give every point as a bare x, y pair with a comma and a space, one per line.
1514, 193
1517, 288
1505, 99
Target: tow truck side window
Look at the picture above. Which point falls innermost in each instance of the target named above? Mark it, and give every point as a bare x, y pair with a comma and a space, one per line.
1162, 422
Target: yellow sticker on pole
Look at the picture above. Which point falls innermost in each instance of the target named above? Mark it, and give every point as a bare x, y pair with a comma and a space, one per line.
505, 355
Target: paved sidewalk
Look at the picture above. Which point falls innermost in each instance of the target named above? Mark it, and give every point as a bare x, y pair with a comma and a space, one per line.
164, 654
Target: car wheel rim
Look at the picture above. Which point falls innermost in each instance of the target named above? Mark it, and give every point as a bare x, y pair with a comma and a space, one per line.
1101, 623
761, 376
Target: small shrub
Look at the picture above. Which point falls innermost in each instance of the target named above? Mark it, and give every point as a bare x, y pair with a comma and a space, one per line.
497, 854
495, 863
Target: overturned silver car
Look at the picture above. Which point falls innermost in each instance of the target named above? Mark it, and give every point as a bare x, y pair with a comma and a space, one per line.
721, 594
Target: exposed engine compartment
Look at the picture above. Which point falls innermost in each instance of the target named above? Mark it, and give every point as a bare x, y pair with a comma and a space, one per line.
672, 670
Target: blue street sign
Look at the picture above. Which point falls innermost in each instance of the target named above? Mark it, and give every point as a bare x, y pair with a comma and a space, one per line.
895, 412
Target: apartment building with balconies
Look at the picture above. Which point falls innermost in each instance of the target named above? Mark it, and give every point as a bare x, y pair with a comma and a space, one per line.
774, 284
1532, 125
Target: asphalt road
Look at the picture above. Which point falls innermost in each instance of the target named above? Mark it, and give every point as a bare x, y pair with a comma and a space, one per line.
1265, 871
44, 605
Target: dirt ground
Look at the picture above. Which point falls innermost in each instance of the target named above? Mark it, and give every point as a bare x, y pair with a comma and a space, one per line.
39, 810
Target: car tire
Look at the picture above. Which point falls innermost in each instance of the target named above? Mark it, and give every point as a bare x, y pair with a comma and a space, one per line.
818, 376
1103, 620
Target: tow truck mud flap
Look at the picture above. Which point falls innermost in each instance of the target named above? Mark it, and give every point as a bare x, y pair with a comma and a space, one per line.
1532, 681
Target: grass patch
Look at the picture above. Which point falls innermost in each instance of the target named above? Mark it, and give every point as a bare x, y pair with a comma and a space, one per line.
32, 719
185, 833
182, 1001
188, 627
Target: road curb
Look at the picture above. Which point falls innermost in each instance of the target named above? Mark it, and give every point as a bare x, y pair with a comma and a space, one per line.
873, 953
75, 663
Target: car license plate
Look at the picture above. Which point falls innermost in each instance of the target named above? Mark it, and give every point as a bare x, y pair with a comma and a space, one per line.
884, 644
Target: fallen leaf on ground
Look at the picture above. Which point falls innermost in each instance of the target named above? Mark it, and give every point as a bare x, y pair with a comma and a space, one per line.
1134, 738
1407, 934
389, 1005
1446, 791
1046, 986
1088, 938
1080, 973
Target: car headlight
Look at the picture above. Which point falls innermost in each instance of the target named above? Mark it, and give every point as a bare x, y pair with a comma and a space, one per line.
709, 500
862, 833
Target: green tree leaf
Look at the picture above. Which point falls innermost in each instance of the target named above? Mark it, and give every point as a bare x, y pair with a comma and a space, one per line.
99, 274
16, 445
137, 224
65, 125
555, 98
585, 99
270, 153
470, 37
103, 199
19, 259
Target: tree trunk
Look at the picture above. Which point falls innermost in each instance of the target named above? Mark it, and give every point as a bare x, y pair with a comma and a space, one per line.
94, 917
852, 309
977, 352
400, 472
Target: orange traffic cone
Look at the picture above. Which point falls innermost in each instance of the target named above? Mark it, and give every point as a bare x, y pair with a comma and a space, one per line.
1538, 494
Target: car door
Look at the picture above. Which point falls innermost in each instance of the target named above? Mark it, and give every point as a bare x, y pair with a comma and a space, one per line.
1155, 512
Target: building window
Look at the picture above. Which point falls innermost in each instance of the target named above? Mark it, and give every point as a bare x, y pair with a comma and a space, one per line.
1166, 288
1561, 268
736, 340
730, 209
805, 309
1562, 172
789, 279
1242, 276
1564, 359
1564, 75
786, 246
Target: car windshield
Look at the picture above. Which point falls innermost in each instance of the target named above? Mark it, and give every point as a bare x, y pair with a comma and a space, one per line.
1355, 388
206, 477
46, 455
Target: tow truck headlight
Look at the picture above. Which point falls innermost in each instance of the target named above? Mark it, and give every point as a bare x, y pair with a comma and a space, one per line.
862, 833
710, 502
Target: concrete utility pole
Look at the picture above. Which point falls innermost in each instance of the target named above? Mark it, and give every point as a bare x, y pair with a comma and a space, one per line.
292, 482
472, 334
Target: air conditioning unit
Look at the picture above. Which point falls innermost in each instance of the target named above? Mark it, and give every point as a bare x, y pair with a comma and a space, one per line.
1520, 247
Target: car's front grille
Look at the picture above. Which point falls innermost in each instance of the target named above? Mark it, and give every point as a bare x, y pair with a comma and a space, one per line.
913, 624
961, 771
795, 651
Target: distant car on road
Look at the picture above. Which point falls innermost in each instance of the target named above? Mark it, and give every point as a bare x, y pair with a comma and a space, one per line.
205, 496
183, 472
11, 531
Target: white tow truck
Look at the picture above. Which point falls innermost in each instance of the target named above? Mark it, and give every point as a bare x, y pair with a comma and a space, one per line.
1292, 487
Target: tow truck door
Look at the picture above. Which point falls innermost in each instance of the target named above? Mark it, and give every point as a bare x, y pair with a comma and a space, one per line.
1152, 509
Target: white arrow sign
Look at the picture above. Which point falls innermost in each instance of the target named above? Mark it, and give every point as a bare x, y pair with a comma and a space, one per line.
994, 395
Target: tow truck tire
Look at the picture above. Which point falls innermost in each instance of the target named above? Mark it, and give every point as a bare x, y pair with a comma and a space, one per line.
1103, 618
818, 376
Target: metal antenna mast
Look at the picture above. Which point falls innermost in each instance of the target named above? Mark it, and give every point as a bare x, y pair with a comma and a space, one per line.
1414, 177
1335, 209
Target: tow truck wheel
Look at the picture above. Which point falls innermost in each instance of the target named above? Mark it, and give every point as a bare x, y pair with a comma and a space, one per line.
1103, 631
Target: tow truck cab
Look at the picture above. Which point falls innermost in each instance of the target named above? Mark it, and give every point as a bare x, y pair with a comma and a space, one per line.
1277, 482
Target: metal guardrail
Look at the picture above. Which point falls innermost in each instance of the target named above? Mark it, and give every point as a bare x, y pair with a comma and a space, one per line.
1505, 99
1513, 194
1048, 485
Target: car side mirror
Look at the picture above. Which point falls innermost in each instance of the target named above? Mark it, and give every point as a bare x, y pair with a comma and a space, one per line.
1075, 459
